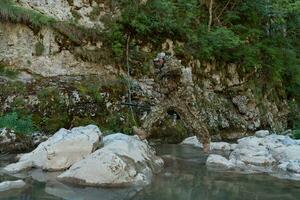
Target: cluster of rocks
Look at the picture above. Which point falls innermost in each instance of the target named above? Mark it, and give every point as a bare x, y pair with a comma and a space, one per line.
90, 159
263, 152
10, 143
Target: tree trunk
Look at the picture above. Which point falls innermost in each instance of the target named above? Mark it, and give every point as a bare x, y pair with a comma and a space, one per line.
210, 14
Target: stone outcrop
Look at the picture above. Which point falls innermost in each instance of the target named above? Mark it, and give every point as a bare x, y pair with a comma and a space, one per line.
78, 10
214, 146
38, 137
9, 185
273, 154
120, 160
230, 103
124, 160
10, 143
61, 150
214, 160
7, 137
20, 46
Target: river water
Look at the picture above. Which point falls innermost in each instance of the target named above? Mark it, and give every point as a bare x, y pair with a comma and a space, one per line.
185, 177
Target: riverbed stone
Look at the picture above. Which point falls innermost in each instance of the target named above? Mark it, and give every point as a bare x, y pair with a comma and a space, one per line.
193, 141
61, 150
214, 146
124, 160
286, 153
262, 133
294, 166
265, 153
215, 160
9, 185
221, 146
259, 157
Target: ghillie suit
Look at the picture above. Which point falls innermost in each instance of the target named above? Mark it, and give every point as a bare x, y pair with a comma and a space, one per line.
177, 90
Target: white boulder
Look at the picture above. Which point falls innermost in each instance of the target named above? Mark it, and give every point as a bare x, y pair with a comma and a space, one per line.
124, 160
217, 146
294, 166
286, 153
220, 146
290, 166
61, 150
9, 185
262, 133
192, 141
264, 152
214, 160
253, 156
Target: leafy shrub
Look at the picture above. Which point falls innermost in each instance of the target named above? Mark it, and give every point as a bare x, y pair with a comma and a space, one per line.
7, 72
296, 134
39, 48
21, 125
12, 13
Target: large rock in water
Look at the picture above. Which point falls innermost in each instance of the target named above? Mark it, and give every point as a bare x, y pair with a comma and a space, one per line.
124, 160
214, 160
9, 185
263, 153
214, 146
61, 150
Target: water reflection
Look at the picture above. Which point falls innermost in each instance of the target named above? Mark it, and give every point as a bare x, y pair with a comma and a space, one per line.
185, 177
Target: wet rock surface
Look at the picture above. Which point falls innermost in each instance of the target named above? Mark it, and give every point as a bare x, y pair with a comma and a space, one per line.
61, 150
184, 176
9, 185
120, 160
271, 153
124, 160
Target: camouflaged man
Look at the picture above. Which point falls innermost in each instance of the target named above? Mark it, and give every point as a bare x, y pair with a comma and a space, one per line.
177, 91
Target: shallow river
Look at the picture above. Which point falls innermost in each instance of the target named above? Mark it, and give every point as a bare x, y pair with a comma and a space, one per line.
185, 177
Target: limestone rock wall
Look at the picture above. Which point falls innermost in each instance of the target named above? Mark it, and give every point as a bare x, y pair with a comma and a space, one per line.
40, 53
85, 12
231, 103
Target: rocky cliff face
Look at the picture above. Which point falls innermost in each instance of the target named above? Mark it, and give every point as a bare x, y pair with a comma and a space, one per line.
78, 82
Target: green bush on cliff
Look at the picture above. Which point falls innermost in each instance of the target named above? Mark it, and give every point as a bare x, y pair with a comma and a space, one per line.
39, 48
12, 13
260, 36
296, 134
7, 72
21, 125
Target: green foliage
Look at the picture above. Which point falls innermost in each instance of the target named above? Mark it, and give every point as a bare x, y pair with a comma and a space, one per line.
82, 121
39, 49
7, 72
296, 134
91, 89
258, 35
95, 13
120, 122
12, 13
21, 125
170, 132
54, 122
